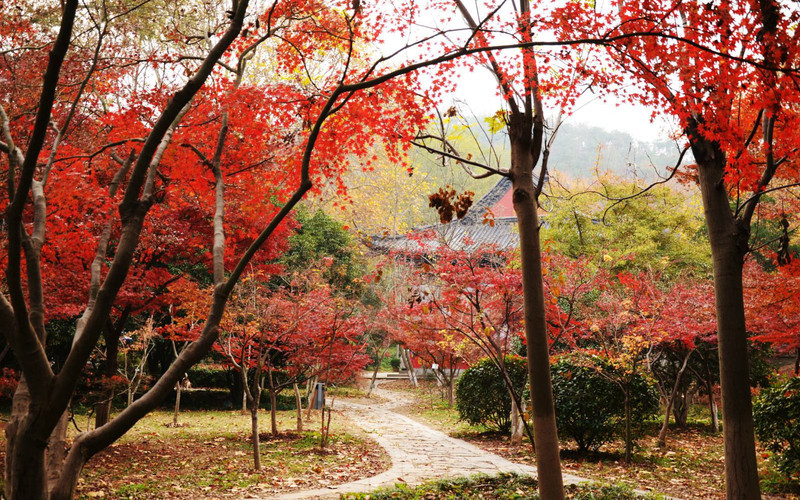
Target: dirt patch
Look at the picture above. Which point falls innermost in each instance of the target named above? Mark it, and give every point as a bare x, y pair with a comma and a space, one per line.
223, 467
210, 456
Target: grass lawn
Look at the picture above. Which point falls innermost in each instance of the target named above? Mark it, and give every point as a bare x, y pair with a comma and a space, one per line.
500, 487
209, 456
690, 467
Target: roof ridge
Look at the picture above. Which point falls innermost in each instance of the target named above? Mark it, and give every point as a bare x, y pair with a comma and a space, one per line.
494, 195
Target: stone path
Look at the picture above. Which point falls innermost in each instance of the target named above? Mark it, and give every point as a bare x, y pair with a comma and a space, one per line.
418, 452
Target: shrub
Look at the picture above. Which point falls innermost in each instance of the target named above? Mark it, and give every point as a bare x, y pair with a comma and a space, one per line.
481, 394
9, 379
591, 409
395, 362
776, 414
210, 376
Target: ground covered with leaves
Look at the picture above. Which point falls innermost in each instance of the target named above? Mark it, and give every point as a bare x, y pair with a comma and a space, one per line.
690, 467
209, 455
500, 487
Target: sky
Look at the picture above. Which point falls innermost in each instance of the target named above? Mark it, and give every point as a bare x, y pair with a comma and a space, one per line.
478, 89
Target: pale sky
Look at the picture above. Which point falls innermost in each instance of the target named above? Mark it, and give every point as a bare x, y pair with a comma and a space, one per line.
479, 90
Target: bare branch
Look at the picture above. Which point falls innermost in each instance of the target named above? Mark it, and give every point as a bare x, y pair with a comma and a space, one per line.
489, 170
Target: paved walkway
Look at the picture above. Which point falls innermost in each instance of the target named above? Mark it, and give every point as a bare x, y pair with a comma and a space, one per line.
418, 452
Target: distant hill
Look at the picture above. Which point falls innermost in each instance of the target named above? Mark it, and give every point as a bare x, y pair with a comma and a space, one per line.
581, 149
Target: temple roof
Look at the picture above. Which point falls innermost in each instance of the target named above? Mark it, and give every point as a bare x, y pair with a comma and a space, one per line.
474, 230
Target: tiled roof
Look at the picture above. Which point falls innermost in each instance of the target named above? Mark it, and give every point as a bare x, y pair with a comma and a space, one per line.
467, 234
458, 235
488, 200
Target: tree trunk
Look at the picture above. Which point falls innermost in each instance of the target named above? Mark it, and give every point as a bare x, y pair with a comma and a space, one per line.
372, 382
412, 377
797, 362
628, 433
312, 395
69, 473
244, 402
299, 403
273, 411
177, 404
662, 435
26, 468
681, 410
254, 434
712, 403
548, 461
111, 334
57, 449
21, 463
517, 429
515, 399
325, 427
102, 411
450, 384
729, 238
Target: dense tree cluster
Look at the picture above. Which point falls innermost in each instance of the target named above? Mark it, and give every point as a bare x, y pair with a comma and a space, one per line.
154, 153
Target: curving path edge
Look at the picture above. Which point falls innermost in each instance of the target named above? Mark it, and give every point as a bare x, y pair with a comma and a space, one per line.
418, 453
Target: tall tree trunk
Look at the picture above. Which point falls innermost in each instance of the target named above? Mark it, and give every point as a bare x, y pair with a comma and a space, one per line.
412, 376
517, 429
312, 395
244, 402
27, 469
102, 411
255, 438
111, 335
450, 383
375, 371
712, 408
628, 433
551, 486
729, 239
712, 403
299, 403
273, 411
20, 406
177, 404
103, 408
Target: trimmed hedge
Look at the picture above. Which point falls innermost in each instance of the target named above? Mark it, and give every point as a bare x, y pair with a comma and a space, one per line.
482, 397
591, 409
220, 399
776, 414
210, 376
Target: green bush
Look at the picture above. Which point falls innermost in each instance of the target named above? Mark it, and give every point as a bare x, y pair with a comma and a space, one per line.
210, 376
201, 399
591, 408
395, 362
481, 394
776, 414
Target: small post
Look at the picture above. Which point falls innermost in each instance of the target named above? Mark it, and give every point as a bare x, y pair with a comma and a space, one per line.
319, 396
